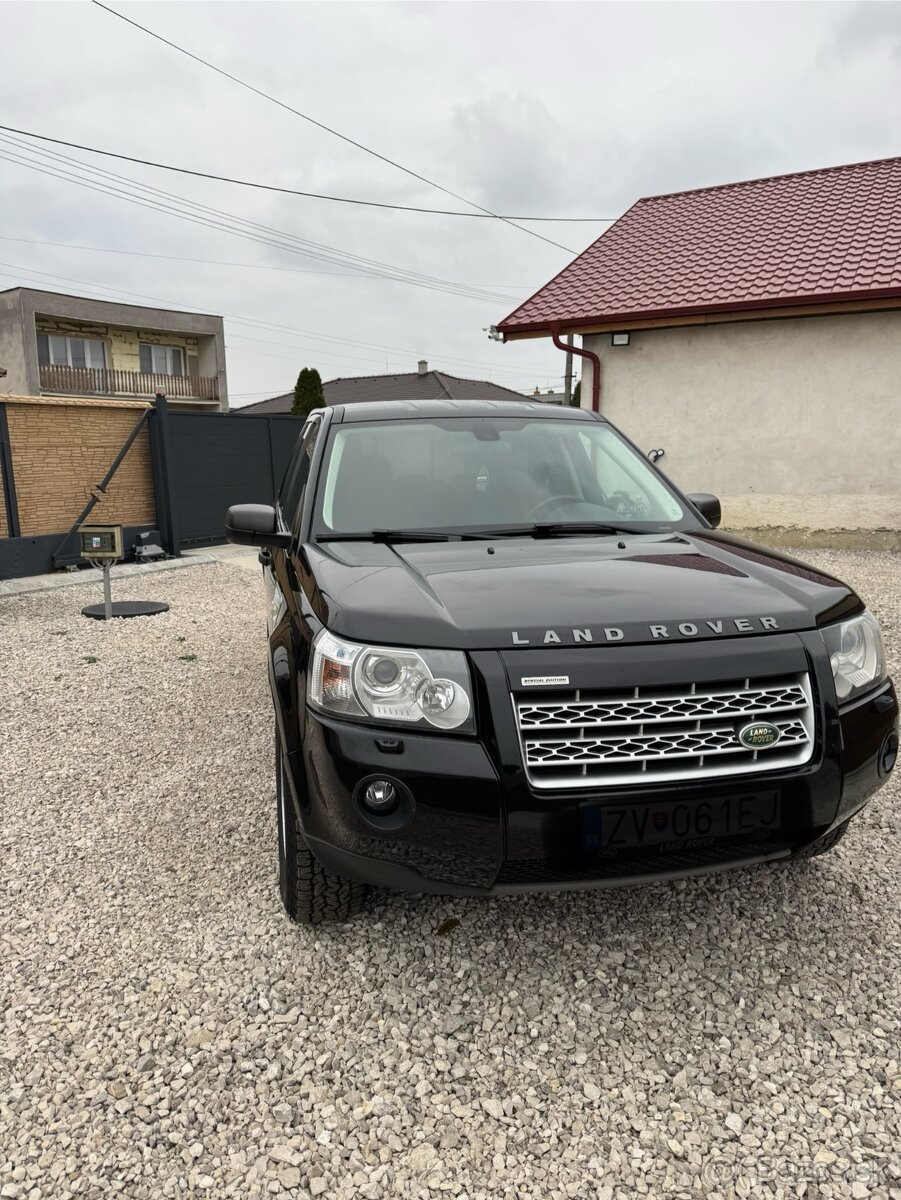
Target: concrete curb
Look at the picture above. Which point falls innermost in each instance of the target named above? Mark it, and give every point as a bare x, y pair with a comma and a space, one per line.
63, 579
797, 538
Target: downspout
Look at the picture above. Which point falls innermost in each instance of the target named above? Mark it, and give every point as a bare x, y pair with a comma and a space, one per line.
595, 365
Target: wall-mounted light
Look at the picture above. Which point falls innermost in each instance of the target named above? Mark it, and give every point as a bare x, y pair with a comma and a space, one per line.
619, 339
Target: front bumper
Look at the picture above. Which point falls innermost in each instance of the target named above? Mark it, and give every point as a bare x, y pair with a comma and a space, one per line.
476, 827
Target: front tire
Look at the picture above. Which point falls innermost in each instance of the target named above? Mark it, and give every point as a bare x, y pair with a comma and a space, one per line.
824, 844
311, 895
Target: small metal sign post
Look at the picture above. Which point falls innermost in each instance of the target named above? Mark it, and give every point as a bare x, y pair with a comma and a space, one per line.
101, 545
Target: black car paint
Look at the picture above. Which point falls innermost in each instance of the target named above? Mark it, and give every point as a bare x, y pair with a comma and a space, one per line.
456, 595
477, 826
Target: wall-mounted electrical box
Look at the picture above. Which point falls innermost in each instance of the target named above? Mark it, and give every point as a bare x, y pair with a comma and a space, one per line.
100, 542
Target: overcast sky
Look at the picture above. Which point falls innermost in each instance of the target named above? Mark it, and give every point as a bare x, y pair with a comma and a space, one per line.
538, 109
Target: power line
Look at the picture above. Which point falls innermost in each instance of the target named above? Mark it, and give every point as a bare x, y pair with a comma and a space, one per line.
520, 381
327, 129
396, 278
243, 395
464, 363
312, 352
218, 262
256, 324
158, 200
61, 166
522, 376
271, 187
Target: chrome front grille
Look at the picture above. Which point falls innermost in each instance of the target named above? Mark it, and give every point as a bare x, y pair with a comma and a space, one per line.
661, 734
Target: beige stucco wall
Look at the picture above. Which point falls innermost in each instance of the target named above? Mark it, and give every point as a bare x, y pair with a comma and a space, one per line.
808, 405
122, 344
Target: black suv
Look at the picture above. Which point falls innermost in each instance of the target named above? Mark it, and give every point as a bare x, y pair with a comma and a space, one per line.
506, 653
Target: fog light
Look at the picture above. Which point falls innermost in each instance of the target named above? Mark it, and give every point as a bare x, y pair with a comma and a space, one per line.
380, 796
889, 753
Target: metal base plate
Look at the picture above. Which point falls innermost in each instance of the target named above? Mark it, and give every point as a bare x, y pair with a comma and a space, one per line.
126, 608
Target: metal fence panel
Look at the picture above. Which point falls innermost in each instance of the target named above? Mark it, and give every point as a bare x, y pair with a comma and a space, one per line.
215, 460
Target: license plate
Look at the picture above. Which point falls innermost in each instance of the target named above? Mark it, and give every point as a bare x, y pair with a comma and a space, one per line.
607, 830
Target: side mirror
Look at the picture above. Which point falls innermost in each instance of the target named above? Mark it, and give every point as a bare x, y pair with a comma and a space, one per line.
254, 525
708, 506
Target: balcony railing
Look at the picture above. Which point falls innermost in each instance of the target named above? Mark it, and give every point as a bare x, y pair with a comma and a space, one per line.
100, 381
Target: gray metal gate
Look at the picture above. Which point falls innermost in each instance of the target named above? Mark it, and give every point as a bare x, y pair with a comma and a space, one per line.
204, 462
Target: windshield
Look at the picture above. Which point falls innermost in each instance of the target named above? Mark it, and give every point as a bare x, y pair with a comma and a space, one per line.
466, 473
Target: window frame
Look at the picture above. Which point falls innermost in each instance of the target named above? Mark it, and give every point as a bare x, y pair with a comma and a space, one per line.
168, 347
68, 338
312, 426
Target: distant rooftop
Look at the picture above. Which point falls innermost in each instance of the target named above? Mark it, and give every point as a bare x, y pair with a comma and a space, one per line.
810, 238
418, 385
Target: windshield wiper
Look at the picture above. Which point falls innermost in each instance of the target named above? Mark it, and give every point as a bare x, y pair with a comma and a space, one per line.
546, 529
386, 535
559, 529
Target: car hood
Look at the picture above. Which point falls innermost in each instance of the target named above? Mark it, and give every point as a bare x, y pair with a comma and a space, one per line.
565, 591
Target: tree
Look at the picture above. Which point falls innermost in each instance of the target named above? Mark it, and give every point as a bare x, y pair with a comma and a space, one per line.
577, 394
308, 393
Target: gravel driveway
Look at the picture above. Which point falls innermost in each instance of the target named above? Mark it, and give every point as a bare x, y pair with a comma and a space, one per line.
167, 1032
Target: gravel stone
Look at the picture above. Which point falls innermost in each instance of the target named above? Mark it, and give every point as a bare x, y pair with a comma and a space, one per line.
165, 1031
285, 1154
422, 1158
734, 1122
494, 1108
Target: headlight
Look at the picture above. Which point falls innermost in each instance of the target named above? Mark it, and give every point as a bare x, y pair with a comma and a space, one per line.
856, 654
425, 687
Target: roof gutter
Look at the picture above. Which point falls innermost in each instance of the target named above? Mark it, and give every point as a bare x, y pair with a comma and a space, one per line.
595, 364
650, 317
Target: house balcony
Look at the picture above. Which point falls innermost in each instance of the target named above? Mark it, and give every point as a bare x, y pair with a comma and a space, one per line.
102, 381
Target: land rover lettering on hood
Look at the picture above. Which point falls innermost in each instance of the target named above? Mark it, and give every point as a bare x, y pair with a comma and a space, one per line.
506, 653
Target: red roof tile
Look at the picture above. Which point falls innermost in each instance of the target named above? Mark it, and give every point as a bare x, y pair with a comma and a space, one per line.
814, 237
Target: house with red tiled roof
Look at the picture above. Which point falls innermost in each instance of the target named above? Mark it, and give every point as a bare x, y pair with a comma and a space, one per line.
752, 331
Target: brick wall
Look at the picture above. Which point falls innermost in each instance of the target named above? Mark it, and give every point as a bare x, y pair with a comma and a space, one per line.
62, 447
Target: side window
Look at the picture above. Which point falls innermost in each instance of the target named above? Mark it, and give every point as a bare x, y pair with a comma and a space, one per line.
291, 496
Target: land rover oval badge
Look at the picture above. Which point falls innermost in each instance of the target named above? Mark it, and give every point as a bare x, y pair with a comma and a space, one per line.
760, 735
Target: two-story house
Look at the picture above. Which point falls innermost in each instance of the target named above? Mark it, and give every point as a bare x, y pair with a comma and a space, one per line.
53, 344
